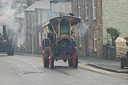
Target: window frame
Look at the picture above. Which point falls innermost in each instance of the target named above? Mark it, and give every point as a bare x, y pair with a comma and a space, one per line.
86, 9
78, 7
94, 9
94, 41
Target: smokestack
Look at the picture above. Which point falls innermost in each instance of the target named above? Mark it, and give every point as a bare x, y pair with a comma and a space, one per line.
4, 30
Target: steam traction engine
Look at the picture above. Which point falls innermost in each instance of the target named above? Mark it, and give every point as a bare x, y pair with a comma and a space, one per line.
59, 43
6, 44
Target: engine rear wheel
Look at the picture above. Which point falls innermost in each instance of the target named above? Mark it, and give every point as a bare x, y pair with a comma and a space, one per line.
51, 58
75, 58
45, 55
46, 58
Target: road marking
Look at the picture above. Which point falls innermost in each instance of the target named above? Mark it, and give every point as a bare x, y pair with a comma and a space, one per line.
33, 66
94, 69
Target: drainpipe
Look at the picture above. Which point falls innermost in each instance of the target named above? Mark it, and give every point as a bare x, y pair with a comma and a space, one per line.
71, 6
86, 42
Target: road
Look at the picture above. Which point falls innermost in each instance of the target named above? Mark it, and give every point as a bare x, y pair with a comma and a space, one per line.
28, 70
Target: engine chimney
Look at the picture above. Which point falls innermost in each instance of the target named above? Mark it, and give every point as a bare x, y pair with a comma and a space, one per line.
4, 30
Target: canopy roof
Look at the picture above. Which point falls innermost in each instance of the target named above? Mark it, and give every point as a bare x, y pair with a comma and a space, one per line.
63, 20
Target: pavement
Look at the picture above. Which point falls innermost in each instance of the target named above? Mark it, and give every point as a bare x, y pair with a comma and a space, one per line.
109, 65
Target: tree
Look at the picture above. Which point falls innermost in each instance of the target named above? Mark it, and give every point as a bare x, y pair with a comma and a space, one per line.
114, 33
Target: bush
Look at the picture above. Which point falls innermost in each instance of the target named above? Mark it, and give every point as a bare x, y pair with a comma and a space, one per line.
114, 33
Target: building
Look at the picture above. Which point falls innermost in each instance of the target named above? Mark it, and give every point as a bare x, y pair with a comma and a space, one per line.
89, 36
115, 14
42, 15
33, 18
20, 34
60, 6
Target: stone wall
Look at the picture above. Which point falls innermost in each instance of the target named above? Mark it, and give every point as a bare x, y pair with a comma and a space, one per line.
121, 48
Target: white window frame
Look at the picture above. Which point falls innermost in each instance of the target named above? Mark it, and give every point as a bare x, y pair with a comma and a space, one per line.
29, 21
94, 9
94, 41
39, 39
86, 10
78, 6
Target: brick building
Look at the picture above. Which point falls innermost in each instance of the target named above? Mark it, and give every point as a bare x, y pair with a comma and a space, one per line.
90, 35
60, 6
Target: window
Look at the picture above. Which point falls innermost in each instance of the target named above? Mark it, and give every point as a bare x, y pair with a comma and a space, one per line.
30, 22
64, 30
78, 6
39, 39
94, 9
86, 9
94, 43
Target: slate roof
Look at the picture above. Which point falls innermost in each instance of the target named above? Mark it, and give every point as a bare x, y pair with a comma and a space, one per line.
45, 4
21, 15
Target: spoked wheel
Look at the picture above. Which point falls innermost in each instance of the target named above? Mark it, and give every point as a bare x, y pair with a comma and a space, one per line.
45, 55
51, 58
75, 58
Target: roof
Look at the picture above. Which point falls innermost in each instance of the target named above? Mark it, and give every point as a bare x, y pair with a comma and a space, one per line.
39, 4
21, 15
63, 19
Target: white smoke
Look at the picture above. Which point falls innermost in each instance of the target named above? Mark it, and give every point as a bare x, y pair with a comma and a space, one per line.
7, 17
81, 31
82, 28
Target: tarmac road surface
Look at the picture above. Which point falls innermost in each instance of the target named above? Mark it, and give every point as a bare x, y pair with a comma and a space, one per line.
29, 70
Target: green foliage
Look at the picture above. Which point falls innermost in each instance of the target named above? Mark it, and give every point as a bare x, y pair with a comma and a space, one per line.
114, 33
